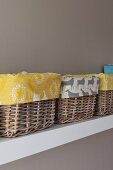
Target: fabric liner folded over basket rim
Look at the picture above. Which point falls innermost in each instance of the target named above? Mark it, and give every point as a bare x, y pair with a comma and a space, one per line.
105, 80
77, 86
28, 87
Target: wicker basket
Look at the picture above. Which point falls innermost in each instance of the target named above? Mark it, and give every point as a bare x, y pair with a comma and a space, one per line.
77, 108
104, 104
27, 102
22, 119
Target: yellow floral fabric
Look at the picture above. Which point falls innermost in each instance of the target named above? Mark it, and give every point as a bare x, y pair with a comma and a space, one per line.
106, 80
28, 87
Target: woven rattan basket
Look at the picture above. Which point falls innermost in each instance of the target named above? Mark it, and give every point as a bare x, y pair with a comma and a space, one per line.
75, 103
27, 102
22, 119
104, 104
75, 109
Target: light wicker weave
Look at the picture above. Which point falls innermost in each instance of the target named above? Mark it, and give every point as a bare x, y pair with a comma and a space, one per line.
75, 109
22, 119
104, 103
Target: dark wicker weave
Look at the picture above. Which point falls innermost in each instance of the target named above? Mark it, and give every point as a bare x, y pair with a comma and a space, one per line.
104, 103
75, 109
22, 119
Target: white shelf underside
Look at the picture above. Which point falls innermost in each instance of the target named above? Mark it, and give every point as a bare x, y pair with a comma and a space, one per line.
17, 148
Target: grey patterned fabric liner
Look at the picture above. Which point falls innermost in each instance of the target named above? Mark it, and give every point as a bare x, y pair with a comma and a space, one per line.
73, 87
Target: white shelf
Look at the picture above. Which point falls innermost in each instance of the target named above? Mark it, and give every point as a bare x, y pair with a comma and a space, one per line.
17, 148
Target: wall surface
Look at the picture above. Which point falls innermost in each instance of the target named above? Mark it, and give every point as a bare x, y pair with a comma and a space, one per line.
55, 35
67, 36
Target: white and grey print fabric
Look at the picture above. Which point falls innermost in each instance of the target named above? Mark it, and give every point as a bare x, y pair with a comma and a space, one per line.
72, 87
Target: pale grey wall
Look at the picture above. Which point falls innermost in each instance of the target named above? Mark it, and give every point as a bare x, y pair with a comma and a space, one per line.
55, 35
65, 36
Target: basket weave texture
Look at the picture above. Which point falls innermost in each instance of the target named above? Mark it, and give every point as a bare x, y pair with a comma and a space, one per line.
75, 109
22, 119
104, 104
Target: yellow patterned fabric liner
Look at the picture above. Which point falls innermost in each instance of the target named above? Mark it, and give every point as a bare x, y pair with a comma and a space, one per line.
28, 87
106, 80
